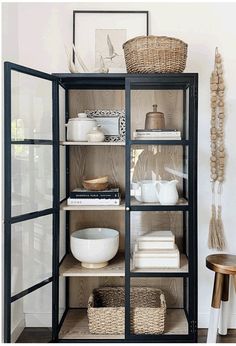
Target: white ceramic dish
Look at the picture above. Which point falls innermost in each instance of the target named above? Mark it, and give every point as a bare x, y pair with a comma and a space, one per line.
94, 247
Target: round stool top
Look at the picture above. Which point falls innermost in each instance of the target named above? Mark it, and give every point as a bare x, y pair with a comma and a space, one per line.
222, 263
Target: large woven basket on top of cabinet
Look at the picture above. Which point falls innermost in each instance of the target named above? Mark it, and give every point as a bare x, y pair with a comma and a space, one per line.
106, 311
161, 54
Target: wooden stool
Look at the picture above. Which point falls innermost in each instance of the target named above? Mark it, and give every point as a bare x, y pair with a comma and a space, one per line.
223, 265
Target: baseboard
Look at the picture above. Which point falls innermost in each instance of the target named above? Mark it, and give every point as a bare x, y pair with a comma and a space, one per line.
17, 330
203, 320
38, 320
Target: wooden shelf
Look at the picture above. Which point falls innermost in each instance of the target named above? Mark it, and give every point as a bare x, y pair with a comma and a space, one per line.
71, 267
136, 205
94, 143
183, 268
182, 201
64, 206
75, 325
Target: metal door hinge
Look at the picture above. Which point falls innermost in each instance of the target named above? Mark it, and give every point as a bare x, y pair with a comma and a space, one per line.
193, 326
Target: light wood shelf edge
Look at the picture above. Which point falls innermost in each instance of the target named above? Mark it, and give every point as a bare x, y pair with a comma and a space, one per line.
71, 267
181, 202
93, 143
75, 325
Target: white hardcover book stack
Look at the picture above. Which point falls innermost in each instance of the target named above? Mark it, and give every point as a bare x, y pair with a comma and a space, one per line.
167, 134
156, 249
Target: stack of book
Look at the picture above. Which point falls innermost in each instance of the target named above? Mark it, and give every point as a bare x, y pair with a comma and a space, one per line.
87, 197
166, 134
156, 249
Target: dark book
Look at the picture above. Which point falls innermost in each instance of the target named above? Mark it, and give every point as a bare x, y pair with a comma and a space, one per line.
106, 194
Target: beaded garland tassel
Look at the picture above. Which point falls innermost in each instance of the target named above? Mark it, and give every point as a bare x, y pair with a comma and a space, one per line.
216, 238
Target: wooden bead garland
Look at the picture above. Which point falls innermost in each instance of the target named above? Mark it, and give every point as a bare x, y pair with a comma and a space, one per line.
216, 238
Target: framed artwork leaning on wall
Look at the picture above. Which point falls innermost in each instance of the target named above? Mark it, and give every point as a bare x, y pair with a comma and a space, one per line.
99, 35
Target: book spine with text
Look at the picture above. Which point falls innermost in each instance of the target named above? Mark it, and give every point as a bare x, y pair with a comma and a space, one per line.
160, 139
98, 195
158, 134
95, 201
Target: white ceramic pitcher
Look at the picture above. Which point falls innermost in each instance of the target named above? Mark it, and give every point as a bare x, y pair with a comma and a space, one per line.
167, 192
145, 191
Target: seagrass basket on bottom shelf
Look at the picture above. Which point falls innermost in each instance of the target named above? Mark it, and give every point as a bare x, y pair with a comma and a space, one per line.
155, 54
106, 311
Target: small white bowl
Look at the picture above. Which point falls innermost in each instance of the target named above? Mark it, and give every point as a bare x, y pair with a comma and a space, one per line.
94, 247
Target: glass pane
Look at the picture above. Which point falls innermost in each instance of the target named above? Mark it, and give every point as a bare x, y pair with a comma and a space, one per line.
31, 178
62, 111
62, 234
31, 107
158, 241
62, 173
33, 310
17, 319
62, 297
170, 103
147, 308
31, 254
156, 170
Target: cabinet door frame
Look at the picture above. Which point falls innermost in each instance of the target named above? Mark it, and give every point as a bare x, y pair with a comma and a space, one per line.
9, 220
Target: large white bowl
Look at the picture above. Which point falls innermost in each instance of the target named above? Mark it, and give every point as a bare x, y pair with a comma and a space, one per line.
94, 247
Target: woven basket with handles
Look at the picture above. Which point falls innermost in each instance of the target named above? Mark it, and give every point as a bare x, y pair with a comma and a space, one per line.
155, 54
106, 310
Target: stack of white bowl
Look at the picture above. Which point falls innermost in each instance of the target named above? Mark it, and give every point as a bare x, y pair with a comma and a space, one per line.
156, 249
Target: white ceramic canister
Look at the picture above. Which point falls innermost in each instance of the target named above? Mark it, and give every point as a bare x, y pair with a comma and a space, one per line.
78, 128
96, 134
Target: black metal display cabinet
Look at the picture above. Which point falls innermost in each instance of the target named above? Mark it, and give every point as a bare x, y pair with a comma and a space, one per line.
32, 150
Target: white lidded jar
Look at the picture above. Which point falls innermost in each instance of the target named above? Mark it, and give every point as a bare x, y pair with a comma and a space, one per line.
78, 128
96, 134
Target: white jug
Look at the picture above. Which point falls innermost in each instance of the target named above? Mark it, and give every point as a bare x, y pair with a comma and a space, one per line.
167, 192
145, 191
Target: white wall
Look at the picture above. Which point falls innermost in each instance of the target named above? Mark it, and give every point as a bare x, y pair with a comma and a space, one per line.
44, 28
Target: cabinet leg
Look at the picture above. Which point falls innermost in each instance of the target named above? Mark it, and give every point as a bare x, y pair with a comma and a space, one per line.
215, 308
223, 326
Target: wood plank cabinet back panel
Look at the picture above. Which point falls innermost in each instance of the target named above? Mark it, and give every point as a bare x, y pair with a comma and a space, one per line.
146, 221
81, 288
80, 100
156, 162
110, 219
169, 102
95, 161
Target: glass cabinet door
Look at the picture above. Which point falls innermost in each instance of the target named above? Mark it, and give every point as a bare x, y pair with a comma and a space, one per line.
31, 195
161, 201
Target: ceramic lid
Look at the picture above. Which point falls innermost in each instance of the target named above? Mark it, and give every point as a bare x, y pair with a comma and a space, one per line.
82, 117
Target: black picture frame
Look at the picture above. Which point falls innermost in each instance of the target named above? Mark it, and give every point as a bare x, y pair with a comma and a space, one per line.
77, 12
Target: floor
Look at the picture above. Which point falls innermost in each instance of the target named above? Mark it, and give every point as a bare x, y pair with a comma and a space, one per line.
43, 335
